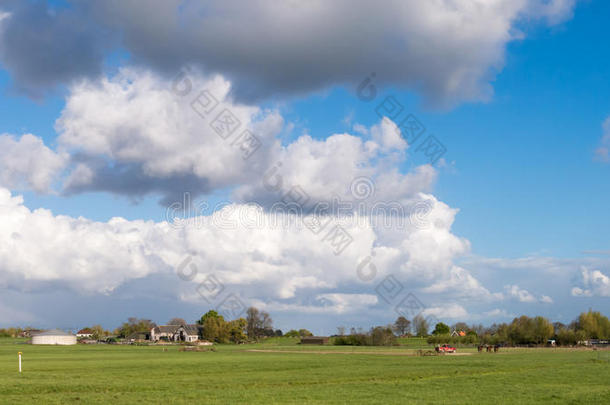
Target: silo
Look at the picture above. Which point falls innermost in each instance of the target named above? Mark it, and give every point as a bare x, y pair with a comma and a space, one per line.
54, 337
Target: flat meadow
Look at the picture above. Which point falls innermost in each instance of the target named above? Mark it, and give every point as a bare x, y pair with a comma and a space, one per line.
282, 371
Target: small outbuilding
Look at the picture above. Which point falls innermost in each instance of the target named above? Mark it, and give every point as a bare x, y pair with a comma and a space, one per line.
314, 340
54, 337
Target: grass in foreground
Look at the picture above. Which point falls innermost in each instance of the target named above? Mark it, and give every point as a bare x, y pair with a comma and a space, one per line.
127, 374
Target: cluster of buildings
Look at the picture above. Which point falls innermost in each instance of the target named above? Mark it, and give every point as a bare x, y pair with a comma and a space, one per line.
164, 333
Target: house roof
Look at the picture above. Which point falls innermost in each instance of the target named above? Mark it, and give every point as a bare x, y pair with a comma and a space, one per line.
84, 331
191, 329
166, 328
54, 332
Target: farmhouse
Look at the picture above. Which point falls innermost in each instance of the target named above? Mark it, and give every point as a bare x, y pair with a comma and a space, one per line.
53, 337
163, 332
176, 333
84, 333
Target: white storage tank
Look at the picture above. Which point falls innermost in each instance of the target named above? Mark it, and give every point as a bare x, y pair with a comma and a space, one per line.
54, 337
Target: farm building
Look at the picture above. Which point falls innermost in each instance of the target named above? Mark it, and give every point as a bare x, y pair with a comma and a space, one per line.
188, 333
599, 342
314, 340
176, 333
54, 337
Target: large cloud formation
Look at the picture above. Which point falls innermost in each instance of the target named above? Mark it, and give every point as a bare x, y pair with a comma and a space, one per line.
137, 133
449, 50
279, 262
143, 131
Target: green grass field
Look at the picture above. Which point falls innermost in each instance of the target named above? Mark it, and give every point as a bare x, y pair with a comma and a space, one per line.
288, 373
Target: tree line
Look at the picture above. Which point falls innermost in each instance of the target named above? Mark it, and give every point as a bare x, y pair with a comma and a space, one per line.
522, 330
258, 324
526, 330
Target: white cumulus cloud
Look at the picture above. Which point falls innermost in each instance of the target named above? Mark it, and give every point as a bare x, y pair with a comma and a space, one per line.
26, 163
594, 283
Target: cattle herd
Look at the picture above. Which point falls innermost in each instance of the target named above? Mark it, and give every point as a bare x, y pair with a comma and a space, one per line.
488, 348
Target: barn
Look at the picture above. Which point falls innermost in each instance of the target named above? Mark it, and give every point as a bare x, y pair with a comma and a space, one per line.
54, 337
314, 340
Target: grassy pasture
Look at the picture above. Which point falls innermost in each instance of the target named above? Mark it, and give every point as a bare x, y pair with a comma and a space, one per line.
289, 373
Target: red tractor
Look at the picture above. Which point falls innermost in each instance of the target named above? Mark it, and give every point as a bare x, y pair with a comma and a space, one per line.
445, 349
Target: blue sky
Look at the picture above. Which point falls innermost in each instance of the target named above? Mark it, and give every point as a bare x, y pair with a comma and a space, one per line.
519, 166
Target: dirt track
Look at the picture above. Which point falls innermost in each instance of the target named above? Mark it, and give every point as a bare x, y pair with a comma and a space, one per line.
412, 354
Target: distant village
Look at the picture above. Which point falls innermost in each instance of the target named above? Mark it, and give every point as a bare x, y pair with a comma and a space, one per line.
589, 329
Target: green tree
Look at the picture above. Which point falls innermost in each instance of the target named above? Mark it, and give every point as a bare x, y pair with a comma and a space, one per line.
210, 314
526, 330
134, 325
237, 329
441, 329
594, 324
98, 332
215, 328
382, 336
304, 333
543, 330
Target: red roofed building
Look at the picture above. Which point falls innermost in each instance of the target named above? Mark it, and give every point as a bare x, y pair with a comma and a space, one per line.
84, 333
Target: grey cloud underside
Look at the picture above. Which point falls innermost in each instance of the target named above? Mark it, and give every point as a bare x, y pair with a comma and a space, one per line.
42, 50
131, 181
450, 51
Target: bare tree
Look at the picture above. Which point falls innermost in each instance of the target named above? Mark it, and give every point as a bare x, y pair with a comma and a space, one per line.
252, 319
460, 326
402, 326
176, 321
258, 323
341, 330
421, 326
266, 321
